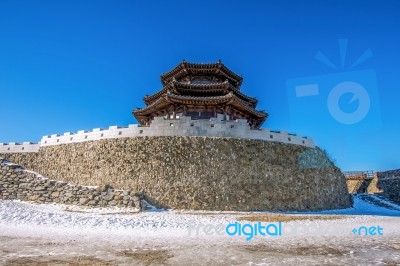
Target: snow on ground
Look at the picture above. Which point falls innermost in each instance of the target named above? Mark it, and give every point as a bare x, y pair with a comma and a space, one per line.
361, 207
58, 234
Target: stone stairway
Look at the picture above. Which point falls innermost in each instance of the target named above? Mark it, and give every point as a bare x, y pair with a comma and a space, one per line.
379, 201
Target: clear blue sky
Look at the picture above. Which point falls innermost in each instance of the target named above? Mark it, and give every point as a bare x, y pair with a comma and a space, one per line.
72, 65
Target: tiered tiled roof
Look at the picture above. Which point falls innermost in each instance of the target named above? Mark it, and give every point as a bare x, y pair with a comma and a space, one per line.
197, 88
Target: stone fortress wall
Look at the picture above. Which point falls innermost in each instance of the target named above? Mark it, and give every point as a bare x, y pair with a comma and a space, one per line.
182, 126
389, 182
17, 183
200, 173
193, 164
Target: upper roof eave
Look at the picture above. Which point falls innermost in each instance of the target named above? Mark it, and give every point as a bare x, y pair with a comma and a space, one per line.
219, 66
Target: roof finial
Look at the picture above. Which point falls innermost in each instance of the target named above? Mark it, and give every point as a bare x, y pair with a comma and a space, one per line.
219, 61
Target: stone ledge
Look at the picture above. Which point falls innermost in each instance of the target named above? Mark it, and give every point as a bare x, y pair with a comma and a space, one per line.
16, 183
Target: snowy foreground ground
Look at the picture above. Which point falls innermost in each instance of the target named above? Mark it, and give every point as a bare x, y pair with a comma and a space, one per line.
32, 234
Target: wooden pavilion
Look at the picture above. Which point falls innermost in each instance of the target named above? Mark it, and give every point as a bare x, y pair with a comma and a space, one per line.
201, 91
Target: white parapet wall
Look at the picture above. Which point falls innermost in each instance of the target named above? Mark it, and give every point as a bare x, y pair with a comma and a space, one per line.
160, 126
14, 147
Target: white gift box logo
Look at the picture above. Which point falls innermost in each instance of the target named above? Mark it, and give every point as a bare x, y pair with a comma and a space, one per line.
341, 101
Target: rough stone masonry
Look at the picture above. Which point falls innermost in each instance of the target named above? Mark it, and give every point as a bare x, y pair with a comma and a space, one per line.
16, 183
202, 173
389, 182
